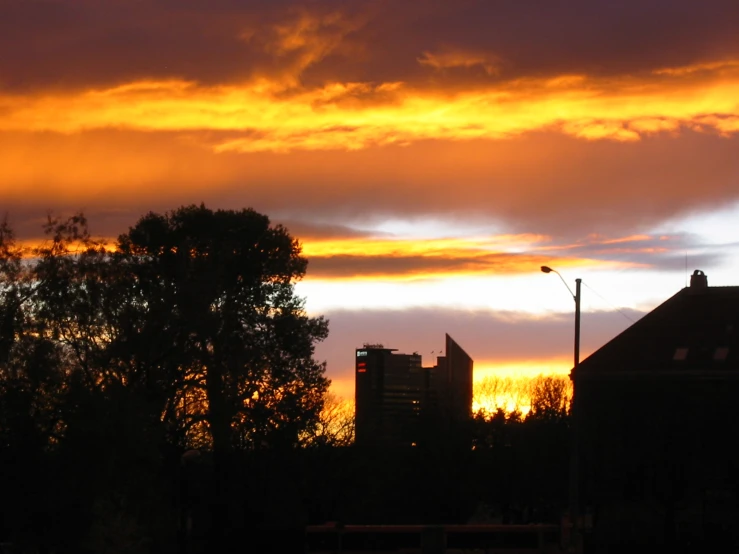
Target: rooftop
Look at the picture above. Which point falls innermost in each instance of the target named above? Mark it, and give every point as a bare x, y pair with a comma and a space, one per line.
695, 330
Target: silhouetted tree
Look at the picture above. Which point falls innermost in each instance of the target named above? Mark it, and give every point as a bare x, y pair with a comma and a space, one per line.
550, 397
335, 424
187, 333
73, 403
510, 394
221, 284
13, 288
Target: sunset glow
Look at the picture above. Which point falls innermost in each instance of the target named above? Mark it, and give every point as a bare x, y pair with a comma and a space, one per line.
508, 386
429, 157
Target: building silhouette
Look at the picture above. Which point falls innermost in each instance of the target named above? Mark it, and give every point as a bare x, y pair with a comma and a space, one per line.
656, 426
400, 403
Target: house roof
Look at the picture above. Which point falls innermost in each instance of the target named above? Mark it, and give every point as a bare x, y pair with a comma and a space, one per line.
697, 330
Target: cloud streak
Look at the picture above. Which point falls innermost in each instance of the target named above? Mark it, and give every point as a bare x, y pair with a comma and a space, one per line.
388, 258
358, 115
449, 58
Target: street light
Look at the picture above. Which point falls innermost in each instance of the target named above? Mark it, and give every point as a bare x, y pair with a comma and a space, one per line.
576, 297
574, 492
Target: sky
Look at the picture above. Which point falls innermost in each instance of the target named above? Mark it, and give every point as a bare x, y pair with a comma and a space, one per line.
429, 155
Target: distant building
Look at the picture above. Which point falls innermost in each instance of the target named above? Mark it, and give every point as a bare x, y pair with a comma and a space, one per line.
656, 426
400, 403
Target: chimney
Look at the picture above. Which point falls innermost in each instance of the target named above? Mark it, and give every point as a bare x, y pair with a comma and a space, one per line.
698, 280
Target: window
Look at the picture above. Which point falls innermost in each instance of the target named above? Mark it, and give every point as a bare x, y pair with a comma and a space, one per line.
680, 354
720, 354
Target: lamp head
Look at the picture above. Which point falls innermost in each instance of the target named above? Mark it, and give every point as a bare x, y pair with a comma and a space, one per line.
546, 269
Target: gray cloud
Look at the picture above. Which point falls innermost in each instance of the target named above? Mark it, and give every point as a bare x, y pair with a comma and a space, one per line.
485, 335
307, 230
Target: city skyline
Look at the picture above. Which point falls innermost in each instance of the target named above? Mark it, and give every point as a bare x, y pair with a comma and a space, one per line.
430, 158
400, 402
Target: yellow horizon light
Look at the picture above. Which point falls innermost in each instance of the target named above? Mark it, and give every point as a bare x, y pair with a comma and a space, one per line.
515, 379
446, 258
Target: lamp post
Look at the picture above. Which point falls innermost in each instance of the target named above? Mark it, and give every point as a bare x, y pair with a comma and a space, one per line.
575, 543
576, 297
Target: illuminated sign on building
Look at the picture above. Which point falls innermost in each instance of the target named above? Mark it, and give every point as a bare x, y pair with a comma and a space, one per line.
361, 353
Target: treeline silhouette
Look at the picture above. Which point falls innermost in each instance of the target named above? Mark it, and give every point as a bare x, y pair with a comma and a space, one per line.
160, 395
548, 395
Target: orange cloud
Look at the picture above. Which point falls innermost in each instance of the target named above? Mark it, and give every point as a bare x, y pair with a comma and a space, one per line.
455, 57
598, 239
379, 246
302, 41
725, 125
359, 258
714, 66
541, 182
372, 258
259, 116
650, 125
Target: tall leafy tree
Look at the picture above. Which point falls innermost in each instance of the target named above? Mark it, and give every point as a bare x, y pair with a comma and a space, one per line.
550, 397
194, 313
220, 285
31, 364
186, 333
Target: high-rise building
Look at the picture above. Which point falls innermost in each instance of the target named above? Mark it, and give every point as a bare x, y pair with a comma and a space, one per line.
388, 394
400, 403
451, 384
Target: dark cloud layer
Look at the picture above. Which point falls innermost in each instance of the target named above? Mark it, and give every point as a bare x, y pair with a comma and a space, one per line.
69, 43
